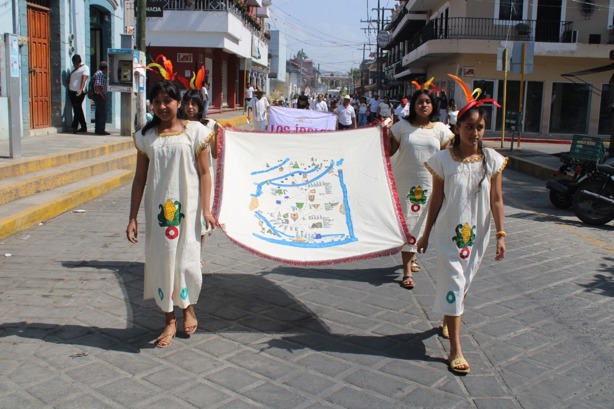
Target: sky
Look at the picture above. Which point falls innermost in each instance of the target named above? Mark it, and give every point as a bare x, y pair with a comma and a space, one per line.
329, 31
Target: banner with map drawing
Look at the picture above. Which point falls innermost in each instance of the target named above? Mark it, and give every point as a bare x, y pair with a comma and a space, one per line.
309, 198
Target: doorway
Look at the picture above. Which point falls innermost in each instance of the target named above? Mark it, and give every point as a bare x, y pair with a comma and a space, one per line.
39, 61
548, 24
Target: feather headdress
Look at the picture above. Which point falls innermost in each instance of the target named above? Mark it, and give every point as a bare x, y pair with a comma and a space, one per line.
164, 67
198, 78
426, 85
472, 97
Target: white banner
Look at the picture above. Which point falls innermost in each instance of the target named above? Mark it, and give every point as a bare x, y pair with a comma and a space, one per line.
309, 199
300, 120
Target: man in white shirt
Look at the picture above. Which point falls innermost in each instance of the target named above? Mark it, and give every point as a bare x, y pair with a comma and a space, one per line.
320, 105
204, 93
259, 106
373, 105
249, 95
346, 116
402, 110
76, 93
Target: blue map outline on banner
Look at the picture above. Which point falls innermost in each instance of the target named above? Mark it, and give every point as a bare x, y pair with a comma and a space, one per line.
304, 239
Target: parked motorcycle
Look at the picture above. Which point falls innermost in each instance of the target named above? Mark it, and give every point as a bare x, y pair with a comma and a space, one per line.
593, 200
562, 188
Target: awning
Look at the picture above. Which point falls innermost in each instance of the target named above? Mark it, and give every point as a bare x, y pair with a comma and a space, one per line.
589, 71
408, 74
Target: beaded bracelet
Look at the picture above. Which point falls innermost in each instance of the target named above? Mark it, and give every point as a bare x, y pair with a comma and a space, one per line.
501, 234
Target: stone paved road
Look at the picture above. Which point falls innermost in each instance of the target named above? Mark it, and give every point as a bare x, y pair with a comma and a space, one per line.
75, 332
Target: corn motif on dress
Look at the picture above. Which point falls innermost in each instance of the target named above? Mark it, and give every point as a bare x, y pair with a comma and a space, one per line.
413, 181
462, 230
173, 215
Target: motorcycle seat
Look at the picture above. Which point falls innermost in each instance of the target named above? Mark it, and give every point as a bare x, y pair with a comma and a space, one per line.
606, 169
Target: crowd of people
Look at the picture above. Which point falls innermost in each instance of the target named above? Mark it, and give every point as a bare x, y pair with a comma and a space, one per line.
448, 183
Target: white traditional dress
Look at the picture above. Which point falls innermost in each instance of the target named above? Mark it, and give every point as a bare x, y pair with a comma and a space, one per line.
461, 232
173, 215
412, 179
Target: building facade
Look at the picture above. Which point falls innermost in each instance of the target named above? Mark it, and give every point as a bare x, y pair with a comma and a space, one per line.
558, 40
49, 33
227, 37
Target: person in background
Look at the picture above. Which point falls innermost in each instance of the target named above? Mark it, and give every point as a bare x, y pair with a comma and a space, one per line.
172, 171
363, 109
204, 94
148, 111
346, 117
302, 101
260, 107
466, 193
100, 98
452, 113
443, 107
402, 110
249, 94
76, 93
320, 105
373, 105
384, 110
415, 139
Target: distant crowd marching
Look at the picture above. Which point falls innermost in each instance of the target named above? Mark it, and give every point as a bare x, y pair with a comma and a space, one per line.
352, 111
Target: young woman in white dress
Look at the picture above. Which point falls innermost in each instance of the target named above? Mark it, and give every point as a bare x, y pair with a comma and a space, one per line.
466, 194
173, 173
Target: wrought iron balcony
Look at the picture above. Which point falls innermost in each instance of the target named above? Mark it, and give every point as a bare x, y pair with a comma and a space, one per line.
461, 28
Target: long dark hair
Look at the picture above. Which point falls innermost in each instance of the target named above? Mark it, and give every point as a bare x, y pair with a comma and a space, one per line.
195, 97
168, 87
412, 107
482, 114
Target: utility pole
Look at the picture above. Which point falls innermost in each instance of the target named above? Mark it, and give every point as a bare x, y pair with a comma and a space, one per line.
141, 44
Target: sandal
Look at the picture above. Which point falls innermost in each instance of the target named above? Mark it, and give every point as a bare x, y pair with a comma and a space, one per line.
190, 323
459, 365
445, 333
408, 282
166, 339
414, 266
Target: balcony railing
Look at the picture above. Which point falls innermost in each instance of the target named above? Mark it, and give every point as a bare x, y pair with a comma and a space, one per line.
461, 28
216, 5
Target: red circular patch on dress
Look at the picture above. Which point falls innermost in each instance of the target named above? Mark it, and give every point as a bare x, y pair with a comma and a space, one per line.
465, 253
172, 232
415, 207
412, 240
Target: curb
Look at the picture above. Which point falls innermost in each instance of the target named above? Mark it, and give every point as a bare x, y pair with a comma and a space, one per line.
36, 214
528, 167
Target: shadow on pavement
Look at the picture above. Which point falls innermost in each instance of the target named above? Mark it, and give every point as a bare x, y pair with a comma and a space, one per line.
373, 276
603, 284
229, 304
402, 346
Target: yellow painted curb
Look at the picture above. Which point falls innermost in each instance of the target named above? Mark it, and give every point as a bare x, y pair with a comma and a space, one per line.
43, 183
38, 163
36, 214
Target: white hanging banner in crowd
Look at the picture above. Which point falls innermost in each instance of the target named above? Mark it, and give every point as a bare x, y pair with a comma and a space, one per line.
300, 120
309, 198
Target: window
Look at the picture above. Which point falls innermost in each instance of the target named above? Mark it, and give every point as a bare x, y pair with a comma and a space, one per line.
534, 92
605, 111
510, 9
570, 107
